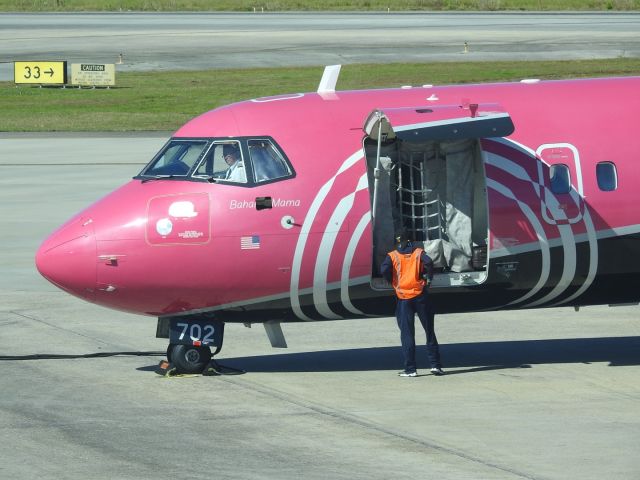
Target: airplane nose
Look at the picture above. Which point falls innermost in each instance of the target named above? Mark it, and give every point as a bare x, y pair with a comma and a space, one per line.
68, 259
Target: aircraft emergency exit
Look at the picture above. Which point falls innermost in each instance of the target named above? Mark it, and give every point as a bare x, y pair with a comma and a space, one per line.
524, 194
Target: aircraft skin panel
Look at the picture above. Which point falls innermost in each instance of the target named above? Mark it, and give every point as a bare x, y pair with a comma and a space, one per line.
172, 246
505, 287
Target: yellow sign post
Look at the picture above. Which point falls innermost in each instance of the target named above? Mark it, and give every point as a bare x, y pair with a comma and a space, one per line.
43, 73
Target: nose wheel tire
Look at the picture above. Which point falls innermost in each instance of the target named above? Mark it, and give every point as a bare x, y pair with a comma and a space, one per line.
188, 358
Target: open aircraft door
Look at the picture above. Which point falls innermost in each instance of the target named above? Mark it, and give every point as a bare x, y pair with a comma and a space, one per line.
426, 176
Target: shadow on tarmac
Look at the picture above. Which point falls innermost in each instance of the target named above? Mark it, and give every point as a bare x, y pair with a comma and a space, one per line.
471, 357
465, 357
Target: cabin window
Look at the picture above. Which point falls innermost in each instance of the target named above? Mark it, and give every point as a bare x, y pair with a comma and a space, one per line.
224, 162
176, 159
560, 178
607, 176
266, 161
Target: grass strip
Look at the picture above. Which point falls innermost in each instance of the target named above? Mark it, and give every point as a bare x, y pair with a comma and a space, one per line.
160, 101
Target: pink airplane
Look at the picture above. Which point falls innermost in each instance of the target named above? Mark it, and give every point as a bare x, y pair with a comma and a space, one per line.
281, 209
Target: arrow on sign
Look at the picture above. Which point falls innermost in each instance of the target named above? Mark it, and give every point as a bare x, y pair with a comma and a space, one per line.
50, 71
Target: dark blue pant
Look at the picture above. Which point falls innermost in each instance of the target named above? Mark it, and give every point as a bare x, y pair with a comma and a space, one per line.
405, 314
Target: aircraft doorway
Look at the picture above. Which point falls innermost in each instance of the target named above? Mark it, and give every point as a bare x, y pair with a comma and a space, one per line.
426, 176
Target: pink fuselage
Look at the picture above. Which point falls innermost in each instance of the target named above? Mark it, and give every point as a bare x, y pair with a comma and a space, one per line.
319, 265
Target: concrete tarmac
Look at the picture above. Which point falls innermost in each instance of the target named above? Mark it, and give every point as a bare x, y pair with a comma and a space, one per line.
538, 394
204, 40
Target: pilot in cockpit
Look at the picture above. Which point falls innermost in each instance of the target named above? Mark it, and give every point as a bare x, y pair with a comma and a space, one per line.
235, 172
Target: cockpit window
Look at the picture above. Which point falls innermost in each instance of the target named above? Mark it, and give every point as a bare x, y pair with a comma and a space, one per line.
223, 161
240, 161
267, 162
177, 158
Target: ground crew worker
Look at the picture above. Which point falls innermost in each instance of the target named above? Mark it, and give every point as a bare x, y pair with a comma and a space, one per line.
410, 270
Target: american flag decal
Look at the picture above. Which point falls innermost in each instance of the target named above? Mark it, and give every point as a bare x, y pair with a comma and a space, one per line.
250, 243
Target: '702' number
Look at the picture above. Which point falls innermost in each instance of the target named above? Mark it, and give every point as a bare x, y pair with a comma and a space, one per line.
196, 332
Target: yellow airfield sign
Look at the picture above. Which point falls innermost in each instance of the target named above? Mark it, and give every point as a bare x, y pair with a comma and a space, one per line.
43, 73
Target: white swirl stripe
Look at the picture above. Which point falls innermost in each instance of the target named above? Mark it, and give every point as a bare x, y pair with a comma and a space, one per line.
521, 174
542, 239
568, 266
321, 271
304, 233
348, 258
593, 258
566, 233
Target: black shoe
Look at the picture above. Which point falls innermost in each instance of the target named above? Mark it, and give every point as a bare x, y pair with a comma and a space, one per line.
404, 373
437, 371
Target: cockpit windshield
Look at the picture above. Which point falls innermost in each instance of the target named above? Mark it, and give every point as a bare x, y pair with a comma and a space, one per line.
246, 161
177, 158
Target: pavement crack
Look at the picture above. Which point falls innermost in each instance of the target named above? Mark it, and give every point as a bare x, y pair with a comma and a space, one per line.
343, 416
57, 327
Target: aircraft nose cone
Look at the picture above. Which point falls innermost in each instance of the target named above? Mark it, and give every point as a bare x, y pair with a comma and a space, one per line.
68, 259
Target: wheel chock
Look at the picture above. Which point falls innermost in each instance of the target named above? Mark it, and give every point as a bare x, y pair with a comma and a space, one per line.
211, 370
214, 368
168, 370
165, 369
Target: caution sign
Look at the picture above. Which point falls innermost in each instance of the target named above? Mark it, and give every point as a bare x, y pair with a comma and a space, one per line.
93, 75
43, 73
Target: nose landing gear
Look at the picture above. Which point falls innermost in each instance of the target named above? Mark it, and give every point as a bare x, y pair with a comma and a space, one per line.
189, 358
190, 341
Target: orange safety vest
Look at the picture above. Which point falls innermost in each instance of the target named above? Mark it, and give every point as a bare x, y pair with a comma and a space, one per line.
407, 273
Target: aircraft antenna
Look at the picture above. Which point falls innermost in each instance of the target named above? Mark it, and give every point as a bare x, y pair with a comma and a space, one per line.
329, 79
